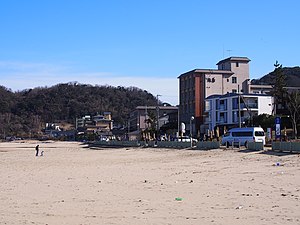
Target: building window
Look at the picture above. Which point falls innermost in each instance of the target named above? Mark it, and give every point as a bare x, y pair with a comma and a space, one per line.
235, 103
234, 116
234, 91
234, 80
237, 64
217, 104
207, 105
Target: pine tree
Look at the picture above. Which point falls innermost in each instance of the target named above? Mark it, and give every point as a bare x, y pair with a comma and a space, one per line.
279, 84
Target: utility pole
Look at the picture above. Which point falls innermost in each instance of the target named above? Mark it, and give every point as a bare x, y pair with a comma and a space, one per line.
178, 122
157, 117
146, 117
239, 103
128, 128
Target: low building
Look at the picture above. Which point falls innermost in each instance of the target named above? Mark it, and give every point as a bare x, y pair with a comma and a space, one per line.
145, 117
100, 124
233, 109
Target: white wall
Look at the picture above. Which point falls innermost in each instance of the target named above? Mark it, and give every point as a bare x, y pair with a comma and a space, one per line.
265, 105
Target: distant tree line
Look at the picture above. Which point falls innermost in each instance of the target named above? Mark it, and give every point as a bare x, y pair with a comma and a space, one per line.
24, 113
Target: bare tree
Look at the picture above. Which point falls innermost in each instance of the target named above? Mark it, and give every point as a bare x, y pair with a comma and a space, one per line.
293, 106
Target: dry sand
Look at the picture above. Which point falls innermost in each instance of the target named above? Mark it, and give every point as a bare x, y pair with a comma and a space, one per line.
72, 184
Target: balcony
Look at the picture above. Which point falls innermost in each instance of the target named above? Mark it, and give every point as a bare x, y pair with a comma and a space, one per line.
222, 107
250, 105
207, 120
222, 120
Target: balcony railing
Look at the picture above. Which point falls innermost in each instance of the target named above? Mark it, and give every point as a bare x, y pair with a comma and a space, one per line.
222, 107
250, 105
222, 120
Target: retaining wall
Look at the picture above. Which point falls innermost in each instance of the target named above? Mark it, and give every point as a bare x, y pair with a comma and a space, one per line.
117, 143
160, 144
255, 146
286, 146
205, 145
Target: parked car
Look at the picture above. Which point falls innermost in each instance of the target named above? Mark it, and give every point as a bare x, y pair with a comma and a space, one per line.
103, 138
186, 139
242, 136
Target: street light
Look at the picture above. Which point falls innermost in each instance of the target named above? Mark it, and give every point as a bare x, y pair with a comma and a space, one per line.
191, 130
157, 117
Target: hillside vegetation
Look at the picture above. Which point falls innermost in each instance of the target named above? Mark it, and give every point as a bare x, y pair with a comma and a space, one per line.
24, 113
292, 77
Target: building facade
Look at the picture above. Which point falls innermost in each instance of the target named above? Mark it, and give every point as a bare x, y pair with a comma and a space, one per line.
143, 117
233, 110
231, 76
100, 124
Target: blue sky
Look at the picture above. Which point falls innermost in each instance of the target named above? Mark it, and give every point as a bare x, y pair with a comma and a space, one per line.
146, 44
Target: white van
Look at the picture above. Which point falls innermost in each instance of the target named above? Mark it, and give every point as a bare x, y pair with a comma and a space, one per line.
241, 136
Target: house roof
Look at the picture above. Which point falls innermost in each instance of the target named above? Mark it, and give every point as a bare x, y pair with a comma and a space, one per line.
207, 71
215, 71
154, 107
236, 94
235, 59
260, 86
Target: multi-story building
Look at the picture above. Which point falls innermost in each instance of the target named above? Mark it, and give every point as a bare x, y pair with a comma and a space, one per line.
143, 118
232, 110
102, 124
195, 86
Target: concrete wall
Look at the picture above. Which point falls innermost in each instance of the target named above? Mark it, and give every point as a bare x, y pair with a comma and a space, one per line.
265, 105
286, 147
160, 144
241, 72
255, 146
215, 87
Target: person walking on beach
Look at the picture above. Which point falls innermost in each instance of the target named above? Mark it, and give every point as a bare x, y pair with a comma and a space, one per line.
37, 150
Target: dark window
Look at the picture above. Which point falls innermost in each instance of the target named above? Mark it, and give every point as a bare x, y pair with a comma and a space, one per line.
234, 91
237, 64
235, 103
259, 133
242, 134
226, 134
234, 80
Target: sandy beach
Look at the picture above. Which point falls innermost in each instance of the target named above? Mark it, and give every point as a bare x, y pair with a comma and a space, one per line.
72, 184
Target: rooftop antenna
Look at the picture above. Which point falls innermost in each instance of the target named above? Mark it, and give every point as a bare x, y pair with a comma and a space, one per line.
223, 51
229, 51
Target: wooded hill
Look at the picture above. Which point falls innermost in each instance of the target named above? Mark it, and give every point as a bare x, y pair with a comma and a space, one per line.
25, 112
292, 77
